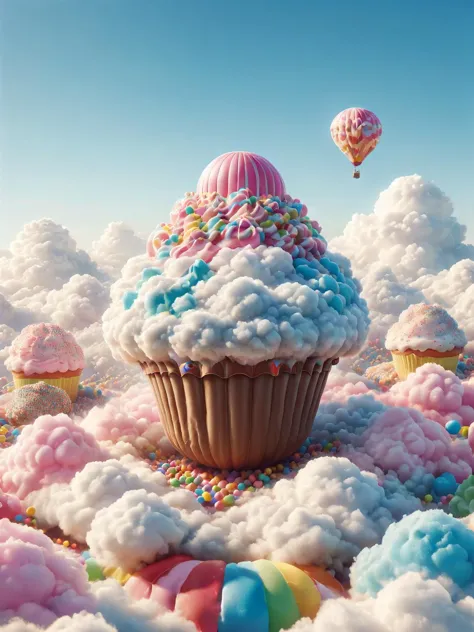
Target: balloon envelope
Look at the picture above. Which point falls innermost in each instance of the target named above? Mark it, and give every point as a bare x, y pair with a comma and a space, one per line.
356, 132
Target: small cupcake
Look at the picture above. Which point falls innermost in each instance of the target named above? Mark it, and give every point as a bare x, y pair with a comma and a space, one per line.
425, 334
46, 353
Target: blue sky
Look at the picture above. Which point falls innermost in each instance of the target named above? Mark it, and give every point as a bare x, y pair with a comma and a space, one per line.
112, 108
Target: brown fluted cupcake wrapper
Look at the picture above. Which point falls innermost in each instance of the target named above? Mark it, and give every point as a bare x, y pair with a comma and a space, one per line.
233, 416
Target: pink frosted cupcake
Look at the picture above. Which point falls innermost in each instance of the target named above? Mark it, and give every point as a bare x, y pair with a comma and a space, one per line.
425, 334
46, 353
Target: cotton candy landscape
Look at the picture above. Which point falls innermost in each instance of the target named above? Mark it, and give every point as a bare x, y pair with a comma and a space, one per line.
236, 316
104, 525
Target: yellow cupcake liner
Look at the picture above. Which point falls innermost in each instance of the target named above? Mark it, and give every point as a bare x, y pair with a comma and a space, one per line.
68, 384
408, 363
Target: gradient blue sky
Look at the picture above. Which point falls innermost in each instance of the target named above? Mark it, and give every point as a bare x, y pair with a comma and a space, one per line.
112, 108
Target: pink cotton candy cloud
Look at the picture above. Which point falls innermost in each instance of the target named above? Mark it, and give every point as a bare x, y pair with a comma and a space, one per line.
49, 451
131, 418
10, 506
402, 440
435, 392
341, 385
40, 581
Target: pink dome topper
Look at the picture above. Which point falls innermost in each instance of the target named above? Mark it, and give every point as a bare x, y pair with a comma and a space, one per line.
241, 169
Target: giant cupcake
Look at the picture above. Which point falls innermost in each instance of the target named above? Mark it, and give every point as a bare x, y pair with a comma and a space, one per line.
237, 316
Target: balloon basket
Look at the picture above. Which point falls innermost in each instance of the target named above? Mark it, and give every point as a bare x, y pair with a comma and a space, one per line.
356, 174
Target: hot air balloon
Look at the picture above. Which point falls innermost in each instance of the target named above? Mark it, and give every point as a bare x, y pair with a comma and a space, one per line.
356, 132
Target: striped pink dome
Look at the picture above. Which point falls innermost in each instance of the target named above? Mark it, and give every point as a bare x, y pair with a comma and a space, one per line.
241, 170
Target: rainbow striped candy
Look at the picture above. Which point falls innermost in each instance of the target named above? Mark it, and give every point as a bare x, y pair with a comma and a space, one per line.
261, 596
241, 170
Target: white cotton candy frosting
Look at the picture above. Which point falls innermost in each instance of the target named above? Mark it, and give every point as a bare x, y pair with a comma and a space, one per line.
248, 304
425, 327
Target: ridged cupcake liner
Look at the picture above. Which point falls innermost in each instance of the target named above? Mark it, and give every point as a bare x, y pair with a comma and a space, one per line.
231, 416
408, 363
68, 384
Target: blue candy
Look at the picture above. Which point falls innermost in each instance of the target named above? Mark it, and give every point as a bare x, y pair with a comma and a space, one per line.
306, 272
300, 262
445, 484
337, 302
148, 273
453, 427
129, 299
346, 291
330, 266
327, 283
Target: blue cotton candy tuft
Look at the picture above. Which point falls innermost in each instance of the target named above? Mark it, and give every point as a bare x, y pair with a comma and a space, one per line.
183, 304
432, 542
171, 300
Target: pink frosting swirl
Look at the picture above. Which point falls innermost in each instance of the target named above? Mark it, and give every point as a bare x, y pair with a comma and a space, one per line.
45, 348
241, 233
202, 224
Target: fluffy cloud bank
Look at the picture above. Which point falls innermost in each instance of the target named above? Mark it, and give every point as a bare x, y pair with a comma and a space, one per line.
44, 276
410, 248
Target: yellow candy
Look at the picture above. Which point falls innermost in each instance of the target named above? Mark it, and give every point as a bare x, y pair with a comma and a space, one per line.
2, 439
464, 431
207, 496
66, 543
116, 573
30, 512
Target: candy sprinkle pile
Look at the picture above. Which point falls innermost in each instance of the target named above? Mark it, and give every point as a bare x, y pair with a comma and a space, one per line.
373, 354
220, 489
28, 518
